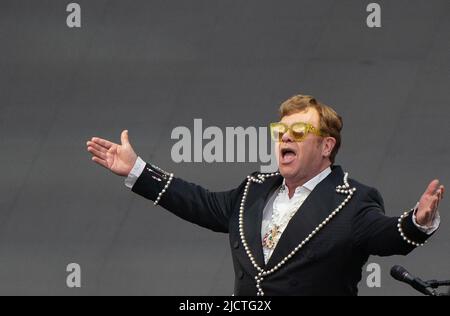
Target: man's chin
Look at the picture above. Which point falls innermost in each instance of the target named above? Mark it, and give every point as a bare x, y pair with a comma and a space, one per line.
288, 171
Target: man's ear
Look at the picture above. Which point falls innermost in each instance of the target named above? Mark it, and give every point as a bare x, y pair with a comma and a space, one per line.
327, 146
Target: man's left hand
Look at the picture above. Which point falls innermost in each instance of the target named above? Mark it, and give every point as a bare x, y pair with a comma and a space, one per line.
429, 203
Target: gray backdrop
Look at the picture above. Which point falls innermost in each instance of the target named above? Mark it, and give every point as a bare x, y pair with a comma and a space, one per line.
150, 66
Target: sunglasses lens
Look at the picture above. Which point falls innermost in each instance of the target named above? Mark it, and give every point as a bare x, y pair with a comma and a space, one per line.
277, 131
299, 131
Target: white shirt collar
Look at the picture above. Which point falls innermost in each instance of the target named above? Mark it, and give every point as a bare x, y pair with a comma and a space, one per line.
311, 184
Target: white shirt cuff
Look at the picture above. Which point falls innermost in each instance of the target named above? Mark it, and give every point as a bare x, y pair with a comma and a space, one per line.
135, 173
427, 230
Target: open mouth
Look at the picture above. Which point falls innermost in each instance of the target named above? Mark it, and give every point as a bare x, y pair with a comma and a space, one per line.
287, 155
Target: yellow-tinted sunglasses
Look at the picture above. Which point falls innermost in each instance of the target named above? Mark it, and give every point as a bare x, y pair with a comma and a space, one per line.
298, 131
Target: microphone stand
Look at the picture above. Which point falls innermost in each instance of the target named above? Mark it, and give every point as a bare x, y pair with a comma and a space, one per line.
434, 284
428, 288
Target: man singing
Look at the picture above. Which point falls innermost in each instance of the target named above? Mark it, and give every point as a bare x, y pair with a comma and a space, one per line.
307, 229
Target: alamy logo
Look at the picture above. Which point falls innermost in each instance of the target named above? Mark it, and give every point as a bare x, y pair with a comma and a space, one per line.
374, 18
374, 278
74, 18
73, 280
212, 145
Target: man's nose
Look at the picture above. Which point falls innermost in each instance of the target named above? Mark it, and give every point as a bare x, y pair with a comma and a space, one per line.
287, 137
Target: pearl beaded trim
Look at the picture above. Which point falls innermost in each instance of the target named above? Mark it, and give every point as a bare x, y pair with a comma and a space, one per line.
163, 190
342, 189
400, 229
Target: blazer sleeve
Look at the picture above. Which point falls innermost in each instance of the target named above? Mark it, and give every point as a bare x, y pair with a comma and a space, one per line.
376, 234
191, 202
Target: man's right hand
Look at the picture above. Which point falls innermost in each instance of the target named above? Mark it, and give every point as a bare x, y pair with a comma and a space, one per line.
120, 159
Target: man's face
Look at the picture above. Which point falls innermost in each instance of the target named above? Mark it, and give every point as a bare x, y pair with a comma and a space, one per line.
300, 159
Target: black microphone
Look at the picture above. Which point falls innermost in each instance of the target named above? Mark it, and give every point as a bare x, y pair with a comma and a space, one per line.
401, 274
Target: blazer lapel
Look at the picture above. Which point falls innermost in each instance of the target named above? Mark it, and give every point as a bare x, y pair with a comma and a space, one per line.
319, 204
257, 198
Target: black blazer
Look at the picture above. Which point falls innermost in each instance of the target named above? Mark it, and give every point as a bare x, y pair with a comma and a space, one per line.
330, 264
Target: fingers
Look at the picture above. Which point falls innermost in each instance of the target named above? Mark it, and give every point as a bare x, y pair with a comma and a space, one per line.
440, 192
102, 142
437, 197
434, 203
101, 162
124, 137
96, 146
97, 153
440, 195
432, 187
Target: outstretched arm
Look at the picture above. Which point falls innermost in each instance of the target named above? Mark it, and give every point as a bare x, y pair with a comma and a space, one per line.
186, 200
377, 234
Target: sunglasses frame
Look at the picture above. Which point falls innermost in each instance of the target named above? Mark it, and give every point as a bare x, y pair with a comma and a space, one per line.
309, 129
